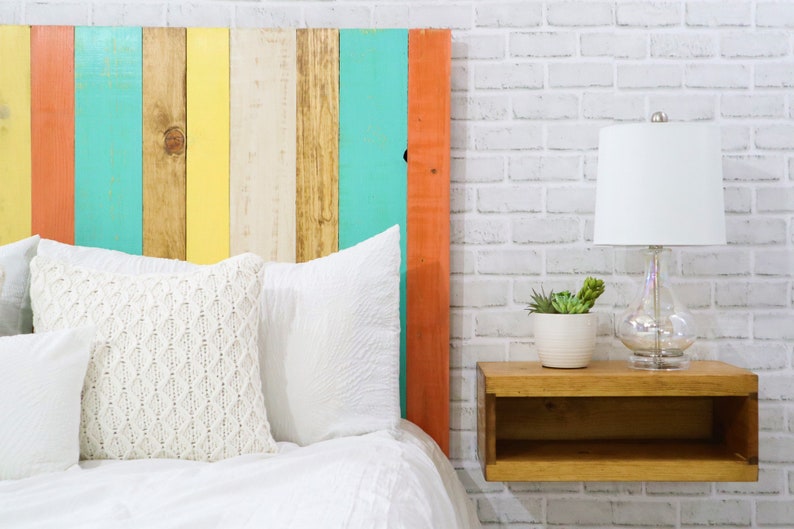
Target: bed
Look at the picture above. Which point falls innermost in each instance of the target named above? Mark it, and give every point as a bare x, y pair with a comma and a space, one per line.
233, 246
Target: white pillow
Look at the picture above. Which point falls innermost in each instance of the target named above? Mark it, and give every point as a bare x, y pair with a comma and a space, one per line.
174, 366
112, 260
15, 314
41, 376
331, 338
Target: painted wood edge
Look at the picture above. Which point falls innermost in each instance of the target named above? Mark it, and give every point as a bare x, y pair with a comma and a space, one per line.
317, 145
52, 132
15, 161
108, 135
164, 126
263, 158
429, 88
207, 191
373, 101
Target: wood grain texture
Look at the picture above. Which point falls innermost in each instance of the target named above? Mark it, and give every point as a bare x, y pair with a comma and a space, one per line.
262, 164
614, 378
164, 124
429, 56
598, 424
573, 418
486, 424
52, 132
317, 170
373, 135
108, 136
15, 169
614, 461
207, 210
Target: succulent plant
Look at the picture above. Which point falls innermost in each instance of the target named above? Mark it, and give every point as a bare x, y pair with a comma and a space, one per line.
541, 303
566, 303
591, 289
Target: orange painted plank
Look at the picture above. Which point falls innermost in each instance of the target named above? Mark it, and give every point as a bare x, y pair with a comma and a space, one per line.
429, 56
52, 132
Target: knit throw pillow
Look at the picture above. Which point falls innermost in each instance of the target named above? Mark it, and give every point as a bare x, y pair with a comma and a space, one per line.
174, 369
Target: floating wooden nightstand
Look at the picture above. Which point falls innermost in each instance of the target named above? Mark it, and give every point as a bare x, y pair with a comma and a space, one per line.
611, 423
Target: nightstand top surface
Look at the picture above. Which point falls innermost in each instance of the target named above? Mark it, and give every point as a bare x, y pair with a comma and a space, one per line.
615, 378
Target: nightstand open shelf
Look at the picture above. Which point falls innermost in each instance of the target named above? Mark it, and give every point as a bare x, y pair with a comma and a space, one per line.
611, 423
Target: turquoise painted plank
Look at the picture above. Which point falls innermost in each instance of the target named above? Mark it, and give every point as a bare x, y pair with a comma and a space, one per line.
108, 138
373, 135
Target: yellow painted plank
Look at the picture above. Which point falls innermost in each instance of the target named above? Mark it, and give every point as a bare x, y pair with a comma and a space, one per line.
317, 193
207, 210
15, 167
262, 164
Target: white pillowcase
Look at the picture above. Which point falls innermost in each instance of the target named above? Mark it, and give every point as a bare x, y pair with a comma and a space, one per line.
331, 339
15, 314
329, 336
112, 260
41, 376
174, 367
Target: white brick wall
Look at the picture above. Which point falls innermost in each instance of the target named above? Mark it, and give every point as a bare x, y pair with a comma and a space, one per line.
533, 83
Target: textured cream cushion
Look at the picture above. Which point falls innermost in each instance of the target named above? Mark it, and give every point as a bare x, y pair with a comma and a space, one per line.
174, 367
15, 314
41, 376
329, 334
331, 340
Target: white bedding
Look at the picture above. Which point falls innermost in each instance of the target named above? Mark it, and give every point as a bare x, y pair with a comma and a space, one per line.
395, 480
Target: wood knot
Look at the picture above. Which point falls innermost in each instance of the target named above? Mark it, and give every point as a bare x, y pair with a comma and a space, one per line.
174, 141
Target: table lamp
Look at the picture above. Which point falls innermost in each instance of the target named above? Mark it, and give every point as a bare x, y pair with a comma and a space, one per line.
659, 184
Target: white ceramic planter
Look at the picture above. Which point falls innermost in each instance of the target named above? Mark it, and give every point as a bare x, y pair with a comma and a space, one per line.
565, 340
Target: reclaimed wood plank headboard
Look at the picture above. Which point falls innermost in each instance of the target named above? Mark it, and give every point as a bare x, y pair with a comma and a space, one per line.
200, 143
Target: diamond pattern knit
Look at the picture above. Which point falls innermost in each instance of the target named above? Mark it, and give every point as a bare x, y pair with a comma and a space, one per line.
174, 368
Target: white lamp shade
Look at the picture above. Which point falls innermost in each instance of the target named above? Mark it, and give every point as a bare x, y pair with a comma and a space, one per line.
659, 184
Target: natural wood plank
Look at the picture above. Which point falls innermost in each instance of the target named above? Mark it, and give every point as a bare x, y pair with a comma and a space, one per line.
317, 198
618, 461
15, 169
207, 209
604, 418
108, 136
164, 127
429, 91
486, 424
52, 132
737, 423
614, 378
373, 135
611, 434
262, 170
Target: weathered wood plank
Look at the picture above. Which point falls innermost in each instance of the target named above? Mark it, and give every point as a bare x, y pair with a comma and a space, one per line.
429, 57
164, 126
208, 144
317, 200
373, 136
52, 132
108, 135
262, 163
14, 133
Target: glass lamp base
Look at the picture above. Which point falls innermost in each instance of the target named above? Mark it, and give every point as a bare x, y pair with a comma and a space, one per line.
664, 361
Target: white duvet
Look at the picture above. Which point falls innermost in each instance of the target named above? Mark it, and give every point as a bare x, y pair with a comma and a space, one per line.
394, 480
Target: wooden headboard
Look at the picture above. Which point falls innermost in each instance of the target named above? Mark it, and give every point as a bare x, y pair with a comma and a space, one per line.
201, 143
